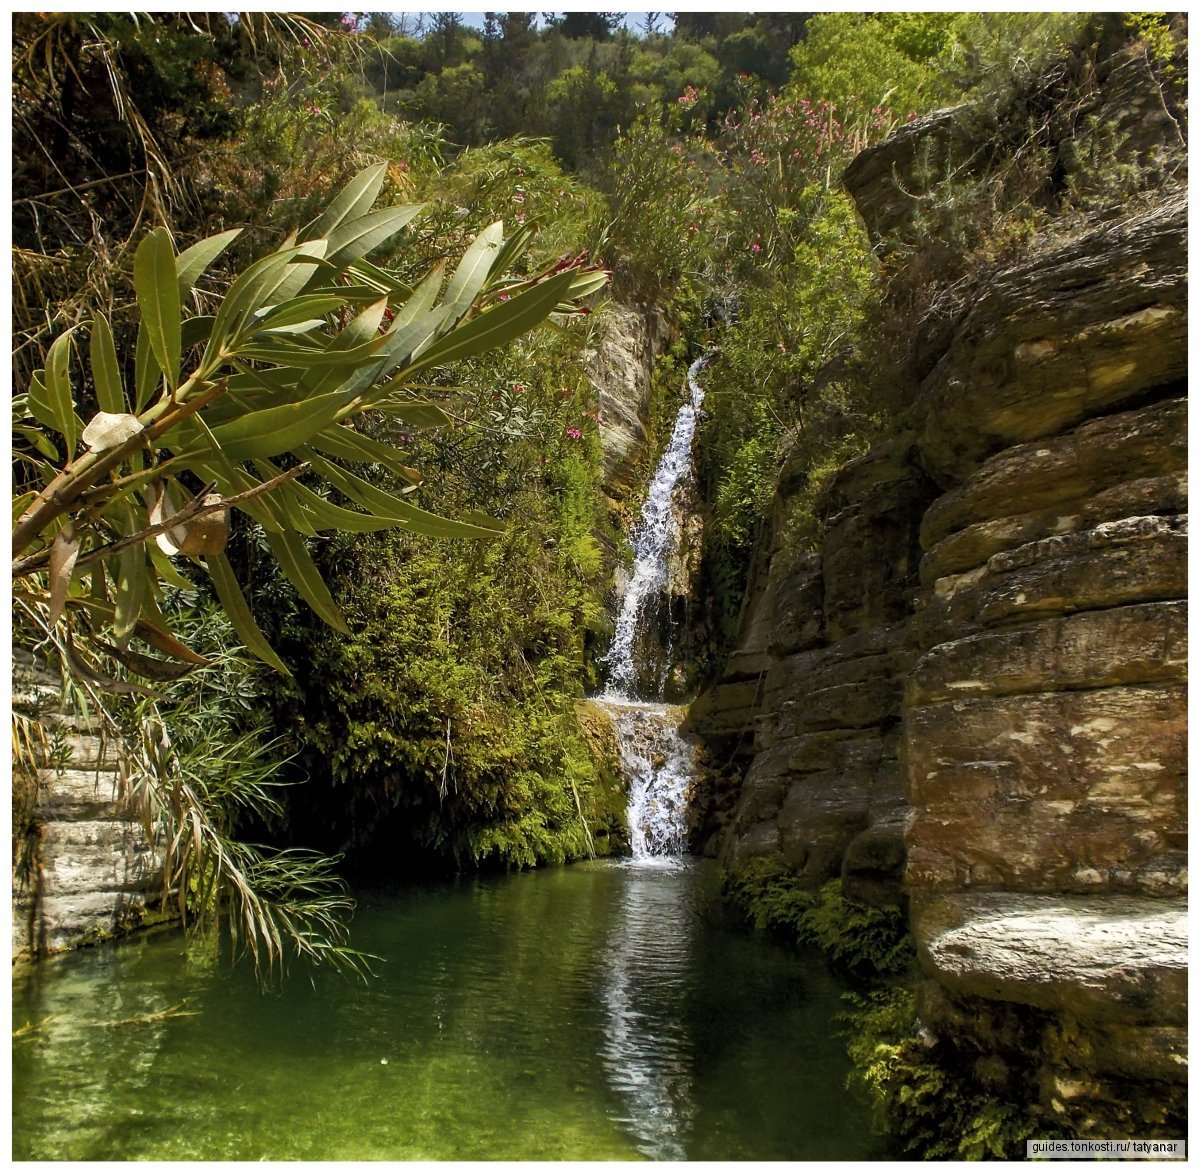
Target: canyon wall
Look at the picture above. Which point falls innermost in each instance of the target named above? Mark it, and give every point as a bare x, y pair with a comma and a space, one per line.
971, 699
84, 869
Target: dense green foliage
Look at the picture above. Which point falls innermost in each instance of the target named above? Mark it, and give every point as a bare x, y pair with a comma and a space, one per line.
210, 735
924, 1098
861, 939
448, 714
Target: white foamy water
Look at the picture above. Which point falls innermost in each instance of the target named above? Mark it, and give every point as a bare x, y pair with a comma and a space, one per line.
659, 762
653, 539
658, 759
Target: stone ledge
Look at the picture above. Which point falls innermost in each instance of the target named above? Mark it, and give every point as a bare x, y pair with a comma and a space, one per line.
1112, 958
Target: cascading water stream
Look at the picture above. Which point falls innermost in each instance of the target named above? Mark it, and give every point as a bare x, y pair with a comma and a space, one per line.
658, 759
653, 539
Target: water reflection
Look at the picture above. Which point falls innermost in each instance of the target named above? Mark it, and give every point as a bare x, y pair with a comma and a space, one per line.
597, 1012
648, 1052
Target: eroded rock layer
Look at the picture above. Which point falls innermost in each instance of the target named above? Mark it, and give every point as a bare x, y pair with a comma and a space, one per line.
84, 869
972, 697
1045, 721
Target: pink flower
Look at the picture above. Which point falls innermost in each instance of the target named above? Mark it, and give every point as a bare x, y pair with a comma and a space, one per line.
518, 388
574, 433
756, 247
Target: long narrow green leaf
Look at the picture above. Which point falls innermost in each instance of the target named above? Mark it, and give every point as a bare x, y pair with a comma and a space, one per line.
291, 511
384, 504
416, 413
293, 329
106, 372
351, 445
231, 479
192, 262
147, 374
165, 569
514, 248
327, 516
157, 290
586, 283
475, 267
354, 200
58, 390
310, 513
38, 401
508, 320
400, 348
196, 330
382, 279
234, 603
423, 298
254, 289
299, 309
36, 438
302, 571
356, 238
277, 429
293, 354
131, 589
363, 331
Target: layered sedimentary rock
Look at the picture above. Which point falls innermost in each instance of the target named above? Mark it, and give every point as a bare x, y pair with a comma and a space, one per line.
84, 869
977, 684
1045, 725
811, 700
620, 369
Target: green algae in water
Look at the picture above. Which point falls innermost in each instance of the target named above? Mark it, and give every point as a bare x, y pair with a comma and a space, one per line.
600, 1011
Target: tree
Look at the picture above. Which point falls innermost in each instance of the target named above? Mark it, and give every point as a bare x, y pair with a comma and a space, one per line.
596, 26
445, 37
233, 410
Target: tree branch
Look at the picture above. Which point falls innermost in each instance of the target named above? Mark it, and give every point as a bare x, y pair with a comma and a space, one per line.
192, 510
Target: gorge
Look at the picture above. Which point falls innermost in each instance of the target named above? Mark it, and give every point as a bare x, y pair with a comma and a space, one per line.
865, 631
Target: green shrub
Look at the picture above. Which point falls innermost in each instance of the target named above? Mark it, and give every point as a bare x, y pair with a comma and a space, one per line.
860, 939
922, 1097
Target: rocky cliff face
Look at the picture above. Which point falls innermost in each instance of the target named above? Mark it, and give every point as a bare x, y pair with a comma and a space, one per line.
621, 368
811, 700
973, 697
1045, 720
84, 869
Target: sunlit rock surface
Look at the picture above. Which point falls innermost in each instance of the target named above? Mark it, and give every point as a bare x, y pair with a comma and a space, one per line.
972, 696
85, 870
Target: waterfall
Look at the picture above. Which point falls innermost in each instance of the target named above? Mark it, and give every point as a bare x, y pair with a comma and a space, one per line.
653, 539
657, 757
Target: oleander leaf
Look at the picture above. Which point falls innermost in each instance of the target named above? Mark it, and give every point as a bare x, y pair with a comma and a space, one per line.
353, 201
157, 289
302, 572
191, 264
495, 327
238, 610
106, 370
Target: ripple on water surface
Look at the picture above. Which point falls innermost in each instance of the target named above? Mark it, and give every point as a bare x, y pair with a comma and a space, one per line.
599, 1011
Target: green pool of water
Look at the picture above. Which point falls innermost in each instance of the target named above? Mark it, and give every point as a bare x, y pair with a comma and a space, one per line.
600, 1011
